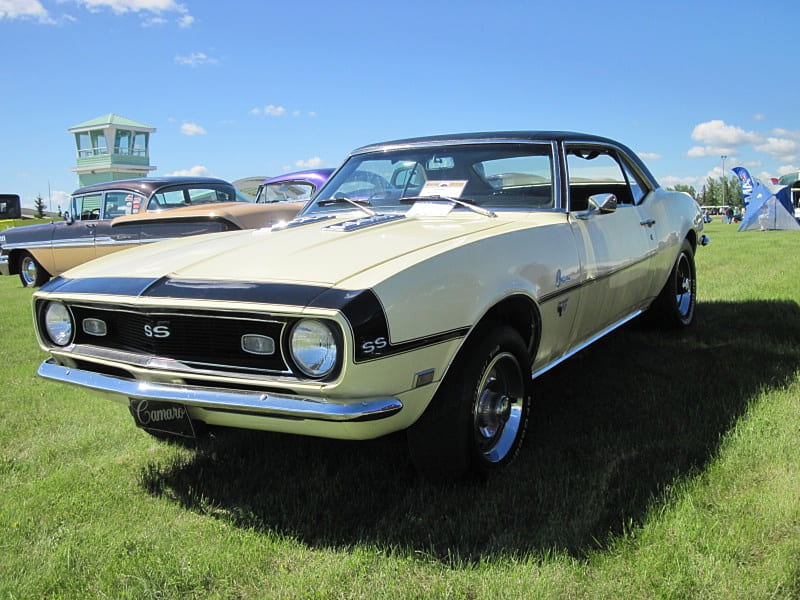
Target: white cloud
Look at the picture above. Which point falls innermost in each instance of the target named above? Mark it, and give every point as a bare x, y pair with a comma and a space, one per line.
779, 148
720, 138
192, 129
786, 169
703, 151
759, 117
311, 163
196, 171
671, 181
649, 155
274, 111
718, 133
195, 59
151, 10
795, 135
25, 9
154, 22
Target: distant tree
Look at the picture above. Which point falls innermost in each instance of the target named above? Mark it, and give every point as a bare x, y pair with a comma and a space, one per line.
689, 189
718, 191
38, 204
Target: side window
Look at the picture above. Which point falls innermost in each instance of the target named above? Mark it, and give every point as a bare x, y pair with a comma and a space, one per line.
87, 208
638, 189
121, 203
518, 181
287, 191
593, 171
187, 196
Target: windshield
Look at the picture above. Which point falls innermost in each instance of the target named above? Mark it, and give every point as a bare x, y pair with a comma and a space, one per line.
285, 191
493, 176
188, 196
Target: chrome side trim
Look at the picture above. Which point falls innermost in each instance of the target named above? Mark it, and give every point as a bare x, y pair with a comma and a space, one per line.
587, 343
27, 245
237, 401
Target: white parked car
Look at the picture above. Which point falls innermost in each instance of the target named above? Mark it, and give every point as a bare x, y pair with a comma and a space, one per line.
423, 289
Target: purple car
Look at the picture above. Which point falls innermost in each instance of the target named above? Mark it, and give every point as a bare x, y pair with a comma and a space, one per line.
292, 187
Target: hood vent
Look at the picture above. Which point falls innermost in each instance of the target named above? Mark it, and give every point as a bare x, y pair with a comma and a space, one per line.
363, 222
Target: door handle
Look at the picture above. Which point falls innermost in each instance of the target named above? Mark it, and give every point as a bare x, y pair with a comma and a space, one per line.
647, 222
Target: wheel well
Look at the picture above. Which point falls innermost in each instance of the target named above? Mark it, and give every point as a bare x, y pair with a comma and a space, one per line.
692, 237
522, 314
14, 259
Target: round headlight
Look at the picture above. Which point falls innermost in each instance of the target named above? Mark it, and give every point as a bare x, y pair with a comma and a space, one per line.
313, 347
58, 323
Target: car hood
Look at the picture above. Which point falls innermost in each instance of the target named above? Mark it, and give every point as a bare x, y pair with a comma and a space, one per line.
221, 210
315, 253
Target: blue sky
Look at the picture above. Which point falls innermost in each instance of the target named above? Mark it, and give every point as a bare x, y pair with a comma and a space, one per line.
237, 89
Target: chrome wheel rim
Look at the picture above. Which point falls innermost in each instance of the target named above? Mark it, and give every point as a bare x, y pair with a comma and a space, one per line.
28, 270
684, 284
497, 413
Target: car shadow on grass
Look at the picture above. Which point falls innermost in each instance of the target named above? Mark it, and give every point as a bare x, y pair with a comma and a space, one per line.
612, 430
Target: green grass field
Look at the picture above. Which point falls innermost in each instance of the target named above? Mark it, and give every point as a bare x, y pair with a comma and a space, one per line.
657, 466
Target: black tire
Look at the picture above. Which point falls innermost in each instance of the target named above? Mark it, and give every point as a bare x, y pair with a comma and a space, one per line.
476, 422
675, 306
31, 273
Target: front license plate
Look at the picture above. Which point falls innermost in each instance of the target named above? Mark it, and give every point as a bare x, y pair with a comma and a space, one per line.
164, 417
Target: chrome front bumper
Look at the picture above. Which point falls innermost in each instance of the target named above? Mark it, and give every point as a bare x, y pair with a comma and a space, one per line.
227, 400
4, 269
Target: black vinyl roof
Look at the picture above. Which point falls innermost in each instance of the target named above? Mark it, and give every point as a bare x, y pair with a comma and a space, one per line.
544, 136
509, 136
148, 185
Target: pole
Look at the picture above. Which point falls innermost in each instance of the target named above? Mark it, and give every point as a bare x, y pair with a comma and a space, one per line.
724, 199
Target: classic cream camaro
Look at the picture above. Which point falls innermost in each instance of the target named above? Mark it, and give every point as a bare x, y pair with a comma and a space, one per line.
424, 287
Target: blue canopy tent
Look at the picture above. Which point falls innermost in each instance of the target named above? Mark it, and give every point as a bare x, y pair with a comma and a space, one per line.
767, 211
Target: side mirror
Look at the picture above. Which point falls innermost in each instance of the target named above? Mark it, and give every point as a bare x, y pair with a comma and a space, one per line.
603, 203
599, 204
68, 218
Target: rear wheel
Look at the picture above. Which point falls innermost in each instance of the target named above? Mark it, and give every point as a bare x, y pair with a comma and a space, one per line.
675, 305
31, 273
477, 420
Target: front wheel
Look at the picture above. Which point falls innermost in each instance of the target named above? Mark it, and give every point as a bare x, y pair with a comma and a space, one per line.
31, 273
675, 305
477, 420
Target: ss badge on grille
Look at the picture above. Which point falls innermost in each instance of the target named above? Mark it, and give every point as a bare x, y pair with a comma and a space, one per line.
159, 329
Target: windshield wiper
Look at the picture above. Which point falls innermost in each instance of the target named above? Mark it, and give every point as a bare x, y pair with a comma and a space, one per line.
481, 211
359, 204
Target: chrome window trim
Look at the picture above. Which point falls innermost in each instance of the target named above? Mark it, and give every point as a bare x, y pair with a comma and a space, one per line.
620, 151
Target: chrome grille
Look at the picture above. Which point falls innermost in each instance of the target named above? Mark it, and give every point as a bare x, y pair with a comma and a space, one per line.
205, 340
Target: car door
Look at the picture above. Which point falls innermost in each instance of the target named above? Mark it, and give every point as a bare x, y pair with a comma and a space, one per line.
73, 244
110, 238
615, 243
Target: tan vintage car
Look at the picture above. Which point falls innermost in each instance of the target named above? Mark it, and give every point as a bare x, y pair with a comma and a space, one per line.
116, 215
425, 286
